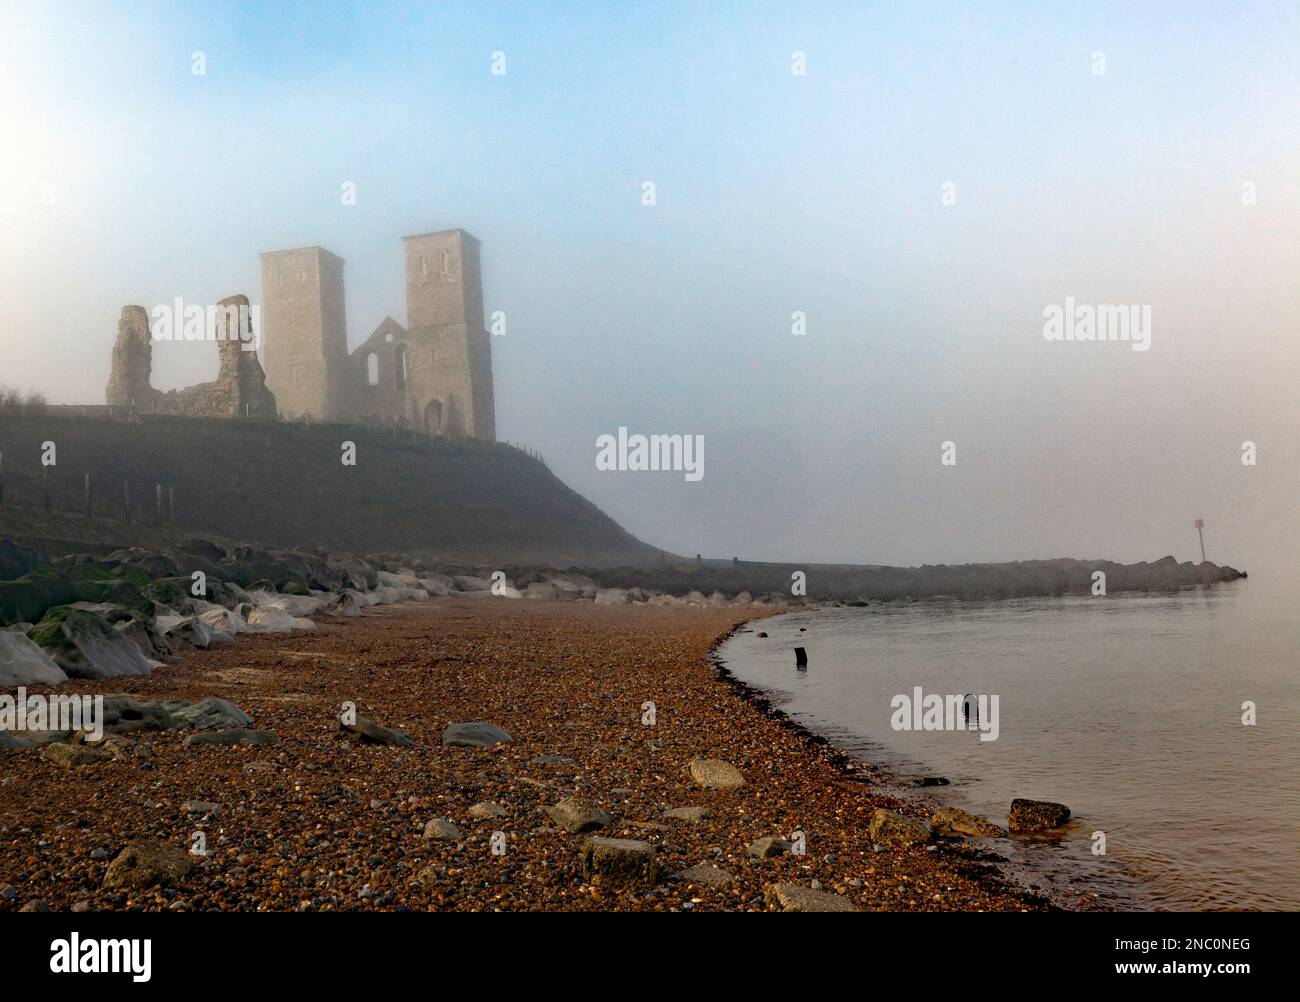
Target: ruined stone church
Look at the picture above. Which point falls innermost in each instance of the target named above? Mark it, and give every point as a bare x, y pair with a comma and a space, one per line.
433, 374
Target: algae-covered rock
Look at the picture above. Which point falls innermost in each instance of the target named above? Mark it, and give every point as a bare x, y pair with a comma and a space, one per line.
1036, 815
890, 828
953, 821
85, 645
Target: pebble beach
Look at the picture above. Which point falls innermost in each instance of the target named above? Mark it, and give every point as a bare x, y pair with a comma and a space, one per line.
606, 708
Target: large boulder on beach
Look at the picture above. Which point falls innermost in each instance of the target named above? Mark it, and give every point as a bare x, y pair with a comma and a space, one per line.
889, 828
248, 565
173, 592
142, 630
299, 606
137, 561
1036, 815
204, 548
714, 774
209, 712
351, 602
575, 814
274, 619
954, 822
185, 632
566, 589
224, 623
619, 862
188, 563
388, 580
797, 898
611, 596
23, 662
72, 755
143, 863
353, 573
84, 645
124, 714
26, 598
474, 734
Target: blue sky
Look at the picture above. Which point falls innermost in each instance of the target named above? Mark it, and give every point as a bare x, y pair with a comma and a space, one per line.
775, 193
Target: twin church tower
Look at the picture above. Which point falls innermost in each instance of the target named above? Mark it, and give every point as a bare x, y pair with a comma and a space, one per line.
434, 374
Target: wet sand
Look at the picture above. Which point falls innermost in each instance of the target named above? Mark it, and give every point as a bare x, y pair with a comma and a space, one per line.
321, 821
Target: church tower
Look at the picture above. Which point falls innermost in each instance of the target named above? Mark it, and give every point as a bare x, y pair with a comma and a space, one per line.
305, 333
450, 358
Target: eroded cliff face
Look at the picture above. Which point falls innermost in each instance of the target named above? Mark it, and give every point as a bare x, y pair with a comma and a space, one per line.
240, 387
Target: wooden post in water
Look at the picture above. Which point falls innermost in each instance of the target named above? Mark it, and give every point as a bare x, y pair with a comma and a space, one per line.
158, 502
86, 491
1199, 526
126, 499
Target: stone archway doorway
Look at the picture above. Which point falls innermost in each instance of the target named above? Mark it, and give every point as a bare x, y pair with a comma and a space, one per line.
433, 417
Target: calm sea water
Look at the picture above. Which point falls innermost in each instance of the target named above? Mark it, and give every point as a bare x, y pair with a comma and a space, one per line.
1127, 708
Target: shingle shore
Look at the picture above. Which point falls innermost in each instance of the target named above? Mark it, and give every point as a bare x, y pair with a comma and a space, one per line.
323, 821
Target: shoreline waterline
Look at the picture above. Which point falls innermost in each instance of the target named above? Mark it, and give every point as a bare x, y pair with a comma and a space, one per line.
864, 761
1139, 712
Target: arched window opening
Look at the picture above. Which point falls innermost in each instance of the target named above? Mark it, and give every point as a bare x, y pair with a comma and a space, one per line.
372, 369
400, 368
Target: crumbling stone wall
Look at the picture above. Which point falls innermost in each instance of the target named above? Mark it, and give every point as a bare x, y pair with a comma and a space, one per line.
128, 382
238, 391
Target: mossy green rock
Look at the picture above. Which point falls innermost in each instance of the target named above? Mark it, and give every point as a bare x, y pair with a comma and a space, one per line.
25, 599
